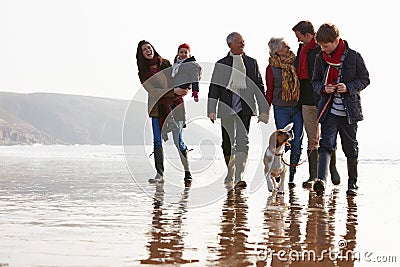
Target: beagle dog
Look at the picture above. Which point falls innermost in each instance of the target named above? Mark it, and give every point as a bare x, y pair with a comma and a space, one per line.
274, 167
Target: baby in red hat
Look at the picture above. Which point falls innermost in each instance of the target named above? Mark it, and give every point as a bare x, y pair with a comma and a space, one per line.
186, 72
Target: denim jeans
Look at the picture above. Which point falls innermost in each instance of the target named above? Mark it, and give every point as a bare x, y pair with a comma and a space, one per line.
176, 134
285, 115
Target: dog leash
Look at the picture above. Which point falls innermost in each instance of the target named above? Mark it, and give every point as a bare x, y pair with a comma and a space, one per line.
315, 140
322, 112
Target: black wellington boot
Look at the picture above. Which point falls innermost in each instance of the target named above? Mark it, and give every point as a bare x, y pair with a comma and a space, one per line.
159, 164
353, 176
294, 160
312, 168
323, 171
335, 177
185, 162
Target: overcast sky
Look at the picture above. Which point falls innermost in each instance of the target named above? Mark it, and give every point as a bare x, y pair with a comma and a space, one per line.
87, 47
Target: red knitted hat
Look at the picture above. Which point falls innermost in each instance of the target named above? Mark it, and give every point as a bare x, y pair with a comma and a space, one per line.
184, 45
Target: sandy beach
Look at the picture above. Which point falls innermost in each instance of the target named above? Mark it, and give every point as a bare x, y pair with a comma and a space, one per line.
80, 206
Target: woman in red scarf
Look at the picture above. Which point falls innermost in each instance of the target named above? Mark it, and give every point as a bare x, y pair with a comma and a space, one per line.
165, 106
339, 76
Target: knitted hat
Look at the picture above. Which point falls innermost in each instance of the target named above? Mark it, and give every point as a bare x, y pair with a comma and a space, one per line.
184, 45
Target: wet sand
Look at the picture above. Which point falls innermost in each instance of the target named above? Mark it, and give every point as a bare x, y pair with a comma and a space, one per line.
85, 210
297, 229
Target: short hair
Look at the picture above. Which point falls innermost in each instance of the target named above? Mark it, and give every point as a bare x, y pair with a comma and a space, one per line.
275, 44
229, 38
327, 33
304, 27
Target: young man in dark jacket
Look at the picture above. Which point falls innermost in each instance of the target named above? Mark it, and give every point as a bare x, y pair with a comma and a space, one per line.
339, 76
305, 59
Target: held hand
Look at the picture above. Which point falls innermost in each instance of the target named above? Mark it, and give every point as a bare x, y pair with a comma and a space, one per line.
263, 117
180, 91
329, 88
212, 117
341, 88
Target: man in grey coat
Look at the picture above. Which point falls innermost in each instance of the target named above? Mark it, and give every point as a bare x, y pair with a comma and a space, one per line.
236, 85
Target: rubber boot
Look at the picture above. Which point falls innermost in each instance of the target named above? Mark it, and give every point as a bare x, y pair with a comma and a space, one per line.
323, 171
185, 162
353, 175
294, 160
312, 168
240, 165
230, 164
335, 177
159, 164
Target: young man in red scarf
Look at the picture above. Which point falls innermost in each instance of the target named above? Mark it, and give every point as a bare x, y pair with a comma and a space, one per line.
308, 49
339, 76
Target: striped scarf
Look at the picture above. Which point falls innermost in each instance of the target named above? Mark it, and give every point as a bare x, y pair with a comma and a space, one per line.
290, 80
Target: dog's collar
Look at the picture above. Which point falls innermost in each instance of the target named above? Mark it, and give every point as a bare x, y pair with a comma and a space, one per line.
275, 154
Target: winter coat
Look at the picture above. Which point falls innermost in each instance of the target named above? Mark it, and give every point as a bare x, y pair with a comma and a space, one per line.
188, 74
158, 86
220, 95
354, 75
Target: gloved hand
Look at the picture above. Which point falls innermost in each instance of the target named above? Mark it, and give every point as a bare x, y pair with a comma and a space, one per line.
195, 95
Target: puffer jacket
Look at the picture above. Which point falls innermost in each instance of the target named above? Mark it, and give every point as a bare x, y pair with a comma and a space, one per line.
354, 75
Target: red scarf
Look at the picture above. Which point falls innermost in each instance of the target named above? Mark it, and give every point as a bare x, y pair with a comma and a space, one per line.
302, 68
152, 62
334, 63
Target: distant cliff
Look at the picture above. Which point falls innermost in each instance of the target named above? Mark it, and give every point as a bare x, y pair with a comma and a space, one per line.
48, 118
60, 119
14, 131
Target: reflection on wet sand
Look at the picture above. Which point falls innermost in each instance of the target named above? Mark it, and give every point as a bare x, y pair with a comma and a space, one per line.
283, 244
348, 252
166, 244
320, 231
232, 249
293, 233
276, 216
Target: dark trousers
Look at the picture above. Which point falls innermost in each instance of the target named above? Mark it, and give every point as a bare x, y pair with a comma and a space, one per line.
235, 133
285, 115
330, 127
